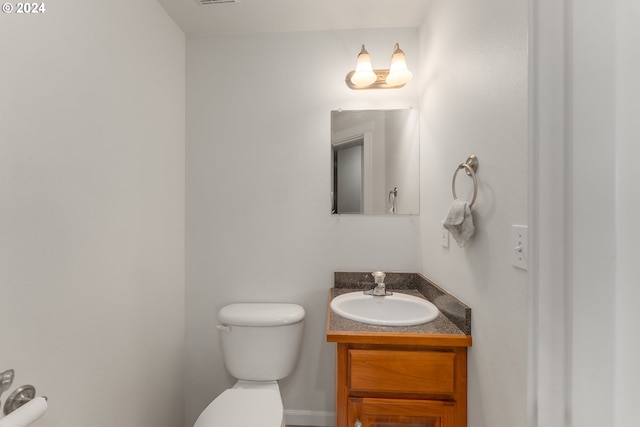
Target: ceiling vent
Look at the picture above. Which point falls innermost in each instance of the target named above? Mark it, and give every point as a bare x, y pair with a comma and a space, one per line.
216, 1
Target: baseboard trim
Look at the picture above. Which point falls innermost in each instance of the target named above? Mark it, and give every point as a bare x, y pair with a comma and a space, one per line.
296, 417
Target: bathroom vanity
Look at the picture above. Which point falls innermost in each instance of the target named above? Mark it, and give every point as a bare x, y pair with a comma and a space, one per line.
401, 375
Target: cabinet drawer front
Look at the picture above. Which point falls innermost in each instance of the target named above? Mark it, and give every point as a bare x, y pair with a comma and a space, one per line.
401, 413
402, 371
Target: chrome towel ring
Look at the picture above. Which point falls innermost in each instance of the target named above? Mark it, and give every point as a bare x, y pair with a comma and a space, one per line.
470, 167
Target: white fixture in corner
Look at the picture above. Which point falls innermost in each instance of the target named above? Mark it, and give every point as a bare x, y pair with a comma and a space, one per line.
519, 246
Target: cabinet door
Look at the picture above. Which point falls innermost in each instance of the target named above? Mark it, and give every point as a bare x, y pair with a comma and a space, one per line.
400, 413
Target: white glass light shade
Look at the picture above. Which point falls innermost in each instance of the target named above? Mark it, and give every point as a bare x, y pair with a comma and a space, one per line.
399, 74
364, 74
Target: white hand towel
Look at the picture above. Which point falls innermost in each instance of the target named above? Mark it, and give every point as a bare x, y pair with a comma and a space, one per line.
25, 415
459, 221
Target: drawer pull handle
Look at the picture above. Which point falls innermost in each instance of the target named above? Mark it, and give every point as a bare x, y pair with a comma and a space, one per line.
358, 423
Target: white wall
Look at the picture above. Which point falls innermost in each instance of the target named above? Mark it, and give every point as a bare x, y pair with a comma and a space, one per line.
591, 168
627, 374
258, 192
473, 85
92, 211
548, 206
604, 135
586, 136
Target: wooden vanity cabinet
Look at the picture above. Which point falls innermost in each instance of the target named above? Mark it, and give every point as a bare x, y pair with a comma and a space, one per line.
401, 385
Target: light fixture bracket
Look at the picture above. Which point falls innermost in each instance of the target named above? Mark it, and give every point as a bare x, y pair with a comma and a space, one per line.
380, 83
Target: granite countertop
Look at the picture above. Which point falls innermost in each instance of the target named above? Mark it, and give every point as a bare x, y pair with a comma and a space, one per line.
452, 327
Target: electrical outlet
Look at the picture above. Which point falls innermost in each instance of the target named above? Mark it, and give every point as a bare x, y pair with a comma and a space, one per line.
519, 246
445, 237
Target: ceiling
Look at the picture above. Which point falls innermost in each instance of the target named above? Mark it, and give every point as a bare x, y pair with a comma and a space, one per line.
257, 16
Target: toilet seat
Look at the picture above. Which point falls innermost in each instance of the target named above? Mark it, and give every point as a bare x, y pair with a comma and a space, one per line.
241, 407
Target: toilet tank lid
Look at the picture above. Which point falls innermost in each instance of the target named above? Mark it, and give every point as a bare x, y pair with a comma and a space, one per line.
261, 314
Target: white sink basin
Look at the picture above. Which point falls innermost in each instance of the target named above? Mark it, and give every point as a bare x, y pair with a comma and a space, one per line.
391, 310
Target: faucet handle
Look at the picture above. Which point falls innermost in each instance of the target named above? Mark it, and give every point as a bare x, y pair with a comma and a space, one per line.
378, 276
380, 288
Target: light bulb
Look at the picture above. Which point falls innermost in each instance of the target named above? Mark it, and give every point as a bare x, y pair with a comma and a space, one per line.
364, 74
399, 74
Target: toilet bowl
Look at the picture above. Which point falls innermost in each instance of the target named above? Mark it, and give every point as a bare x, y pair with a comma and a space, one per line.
245, 405
260, 343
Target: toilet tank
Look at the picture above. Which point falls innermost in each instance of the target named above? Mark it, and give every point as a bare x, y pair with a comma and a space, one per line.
261, 341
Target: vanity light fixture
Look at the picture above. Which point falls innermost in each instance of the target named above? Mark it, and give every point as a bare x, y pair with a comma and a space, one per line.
365, 77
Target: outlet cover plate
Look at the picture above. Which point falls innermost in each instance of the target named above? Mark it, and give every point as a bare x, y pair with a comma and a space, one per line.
519, 246
444, 238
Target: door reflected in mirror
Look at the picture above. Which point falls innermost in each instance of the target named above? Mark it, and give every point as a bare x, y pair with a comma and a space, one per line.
375, 162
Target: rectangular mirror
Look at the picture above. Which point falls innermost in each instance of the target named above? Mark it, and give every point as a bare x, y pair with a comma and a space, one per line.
375, 162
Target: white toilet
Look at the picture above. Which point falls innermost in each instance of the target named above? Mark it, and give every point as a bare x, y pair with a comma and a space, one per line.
261, 343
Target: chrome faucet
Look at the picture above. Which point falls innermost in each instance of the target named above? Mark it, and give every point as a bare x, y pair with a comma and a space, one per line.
379, 289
